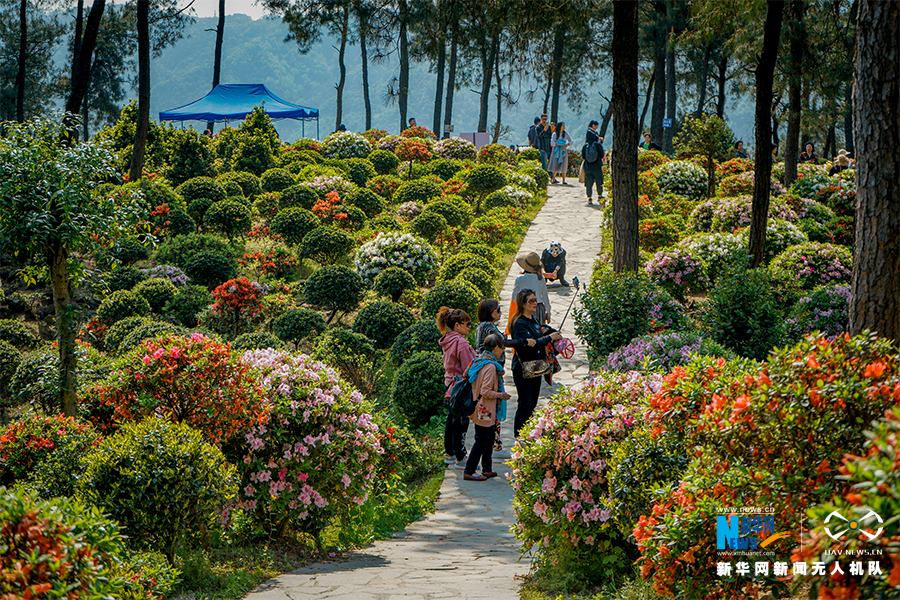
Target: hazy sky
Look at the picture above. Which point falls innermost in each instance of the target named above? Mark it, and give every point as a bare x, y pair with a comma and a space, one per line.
208, 8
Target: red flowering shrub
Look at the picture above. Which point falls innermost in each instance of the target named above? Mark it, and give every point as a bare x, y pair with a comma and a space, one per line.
454, 187
413, 149
648, 185
416, 132
328, 210
194, 380
496, 154
649, 159
306, 144
771, 439
735, 166
27, 443
237, 309
374, 135
276, 263
658, 232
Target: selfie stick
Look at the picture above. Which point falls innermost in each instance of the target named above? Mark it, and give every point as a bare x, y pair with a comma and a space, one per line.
575, 295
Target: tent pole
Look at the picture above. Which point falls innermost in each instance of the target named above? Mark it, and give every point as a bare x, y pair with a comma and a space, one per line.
317, 127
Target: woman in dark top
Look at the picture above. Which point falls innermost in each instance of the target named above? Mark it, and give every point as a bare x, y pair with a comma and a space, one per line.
525, 327
489, 313
809, 155
593, 172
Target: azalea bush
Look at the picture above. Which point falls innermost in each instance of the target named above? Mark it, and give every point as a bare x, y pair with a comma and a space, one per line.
657, 232
717, 252
317, 455
237, 307
418, 132
730, 214
780, 235
496, 154
809, 264
194, 380
455, 147
403, 250
564, 512
742, 183
346, 144
681, 177
663, 351
735, 166
649, 159
677, 271
825, 309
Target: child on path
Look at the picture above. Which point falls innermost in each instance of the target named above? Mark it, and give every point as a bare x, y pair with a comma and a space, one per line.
486, 376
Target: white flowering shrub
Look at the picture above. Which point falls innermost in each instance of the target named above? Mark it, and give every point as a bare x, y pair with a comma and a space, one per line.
780, 235
395, 249
523, 181
455, 147
682, 178
346, 144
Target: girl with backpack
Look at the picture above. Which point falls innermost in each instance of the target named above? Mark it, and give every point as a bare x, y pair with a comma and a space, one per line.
454, 324
486, 376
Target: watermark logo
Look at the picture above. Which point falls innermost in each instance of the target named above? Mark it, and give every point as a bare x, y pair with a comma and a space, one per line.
746, 531
844, 526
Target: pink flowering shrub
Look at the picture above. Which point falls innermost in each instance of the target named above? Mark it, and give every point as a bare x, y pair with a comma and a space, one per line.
810, 264
677, 271
730, 214
317, 454
563, 502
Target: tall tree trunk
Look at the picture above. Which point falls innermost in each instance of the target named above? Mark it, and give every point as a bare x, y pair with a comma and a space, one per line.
487, 73
658, 113
875, 293
559, 43
339, 88
604, 122
848, 118
23, 58
403, 98
722, 79
85, 113
765, 78
625, 131
364, 57
647, 102
56, 257
549, 88
496, 136
76, 40
792, 136
143, 116
439, 85
217, 55
451, 80
704, 76
85, 54
671, 101
830, 142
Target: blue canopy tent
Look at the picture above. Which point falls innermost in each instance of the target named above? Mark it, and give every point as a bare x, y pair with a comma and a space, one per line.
235, 101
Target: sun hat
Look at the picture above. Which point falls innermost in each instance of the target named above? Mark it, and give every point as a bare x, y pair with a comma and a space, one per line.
529, 261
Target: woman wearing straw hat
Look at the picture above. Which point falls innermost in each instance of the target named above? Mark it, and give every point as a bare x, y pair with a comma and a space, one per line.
531, 279
841, 162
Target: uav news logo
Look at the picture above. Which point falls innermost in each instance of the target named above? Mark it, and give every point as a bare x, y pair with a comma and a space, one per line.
843, 526
748, 531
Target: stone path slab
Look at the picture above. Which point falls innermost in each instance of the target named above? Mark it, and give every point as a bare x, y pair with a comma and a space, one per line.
465, 549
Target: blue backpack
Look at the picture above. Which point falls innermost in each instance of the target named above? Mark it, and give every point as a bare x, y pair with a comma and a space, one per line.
462, 403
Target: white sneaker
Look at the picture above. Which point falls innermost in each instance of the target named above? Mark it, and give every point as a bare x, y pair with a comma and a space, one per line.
461, 464
449, 460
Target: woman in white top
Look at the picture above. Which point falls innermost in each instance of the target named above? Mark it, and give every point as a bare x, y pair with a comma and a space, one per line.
532, 279
559, 152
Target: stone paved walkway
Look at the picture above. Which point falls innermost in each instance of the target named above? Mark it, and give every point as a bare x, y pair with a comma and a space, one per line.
463, 550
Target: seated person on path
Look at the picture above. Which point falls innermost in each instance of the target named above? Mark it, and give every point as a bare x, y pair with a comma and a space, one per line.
553, 260
486, 376
454, 324
841, 162
531, 279
809, 155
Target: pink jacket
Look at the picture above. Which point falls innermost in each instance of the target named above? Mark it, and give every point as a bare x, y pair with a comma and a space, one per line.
486, 390
458, 354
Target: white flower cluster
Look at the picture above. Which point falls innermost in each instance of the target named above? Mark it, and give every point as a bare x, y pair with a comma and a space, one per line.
523, 181
346, 144
710, 247
516, 194
397, 249
682, 178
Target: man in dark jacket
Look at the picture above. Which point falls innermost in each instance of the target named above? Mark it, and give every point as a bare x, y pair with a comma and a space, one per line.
543, 135
593, 171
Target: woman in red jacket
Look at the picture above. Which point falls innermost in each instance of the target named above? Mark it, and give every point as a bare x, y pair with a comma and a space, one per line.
458, 355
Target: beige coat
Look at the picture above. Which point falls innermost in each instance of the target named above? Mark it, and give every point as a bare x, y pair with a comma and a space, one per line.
486, 385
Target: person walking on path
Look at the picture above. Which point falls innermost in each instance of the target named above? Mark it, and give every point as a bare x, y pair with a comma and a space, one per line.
486, 376
542, 135
593, 171
532, 279
532, 133
454, 324
559, 160
528, 385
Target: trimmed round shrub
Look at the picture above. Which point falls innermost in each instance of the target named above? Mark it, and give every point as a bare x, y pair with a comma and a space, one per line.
367, 201
119, 330
297, 324
826, 309
298, 195
496, 154
178, 222
717, 252
528, 154
457, 293
780, 235
148, 330
10, 359
419, 388
201, 187
180, 250
454, 265
210, 268
196, 210
57, 549
811, 264
158, 480
293, 223
428, 225
384, 161
230, 218
121, 304
250, 183
232, 188
417, 190
455, 147
658, 232
485, 179
421, 336
188, 303
156, 192
16, 333
168, 272
384, 223
382, 322
354, 220
256, 340
742, 314
445, 168
276, 180
325, 245
157, 292
385, 186
540, 176
346, 144
682, 178
358, 170
334, 288
499, 199
474, 245
393, 281
395, 249
128, 251
480, 280
457, 214
36, 380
